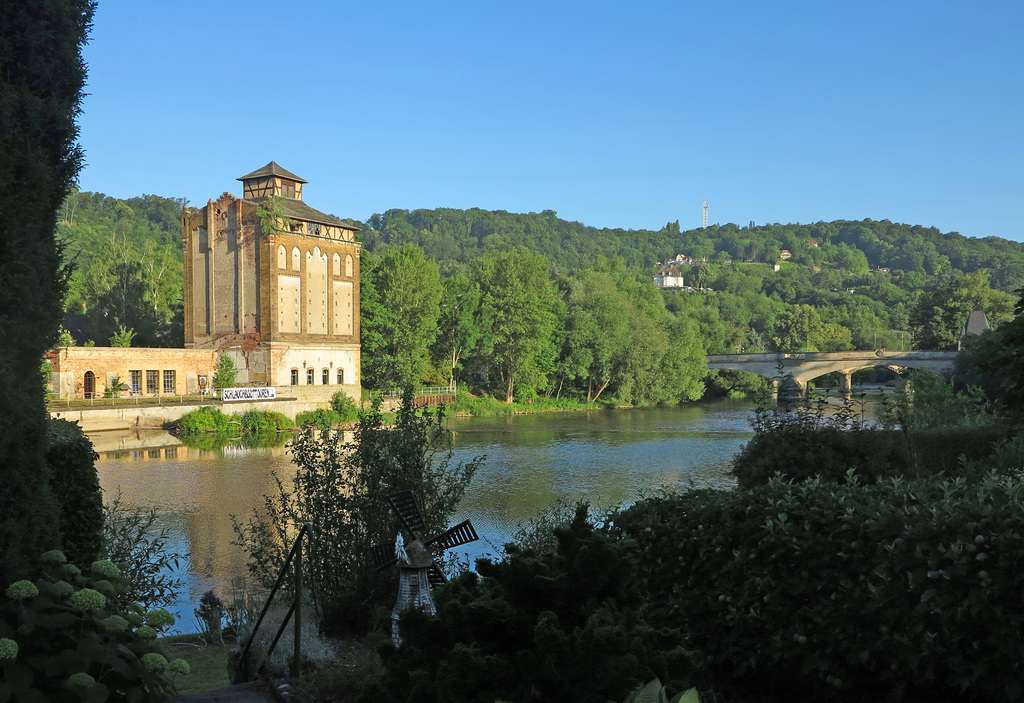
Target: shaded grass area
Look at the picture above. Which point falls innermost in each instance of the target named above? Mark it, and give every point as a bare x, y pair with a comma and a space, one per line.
208, 663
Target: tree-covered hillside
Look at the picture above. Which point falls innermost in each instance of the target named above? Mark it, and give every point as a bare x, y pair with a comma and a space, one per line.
855, 247
535, 304
128, 265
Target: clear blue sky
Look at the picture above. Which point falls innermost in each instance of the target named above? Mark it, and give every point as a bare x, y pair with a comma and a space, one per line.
613, 114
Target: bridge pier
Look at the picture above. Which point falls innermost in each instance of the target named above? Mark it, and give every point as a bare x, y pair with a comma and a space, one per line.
845, 383
791, 389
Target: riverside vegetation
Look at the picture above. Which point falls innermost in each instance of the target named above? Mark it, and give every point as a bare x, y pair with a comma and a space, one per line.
525, 306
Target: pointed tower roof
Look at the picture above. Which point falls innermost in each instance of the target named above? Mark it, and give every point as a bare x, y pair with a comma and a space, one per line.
272, 169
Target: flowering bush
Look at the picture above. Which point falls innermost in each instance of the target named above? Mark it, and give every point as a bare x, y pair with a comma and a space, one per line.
22, 590
62, 639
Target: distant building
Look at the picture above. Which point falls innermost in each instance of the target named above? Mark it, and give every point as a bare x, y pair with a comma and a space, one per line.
785, 254
668, 276
883, 269
977, 323
277, 291
812, 242
682, 260
274, 283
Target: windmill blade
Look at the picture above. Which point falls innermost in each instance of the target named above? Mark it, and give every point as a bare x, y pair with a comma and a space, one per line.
384, 555
404, 505
436, 577
454, 536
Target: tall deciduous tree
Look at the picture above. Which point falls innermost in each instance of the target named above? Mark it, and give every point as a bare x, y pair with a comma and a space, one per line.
41, 79
520, 305
459, 327
939, 315
599, 331
404, 307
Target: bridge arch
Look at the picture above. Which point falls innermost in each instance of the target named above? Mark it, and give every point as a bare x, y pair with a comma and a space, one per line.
797, 370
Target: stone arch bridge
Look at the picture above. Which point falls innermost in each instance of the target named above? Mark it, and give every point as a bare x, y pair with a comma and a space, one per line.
794, 371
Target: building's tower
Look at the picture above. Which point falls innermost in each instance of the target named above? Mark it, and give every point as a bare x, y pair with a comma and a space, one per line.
275, 283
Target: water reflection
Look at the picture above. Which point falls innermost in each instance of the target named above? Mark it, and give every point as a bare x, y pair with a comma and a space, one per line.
606, 457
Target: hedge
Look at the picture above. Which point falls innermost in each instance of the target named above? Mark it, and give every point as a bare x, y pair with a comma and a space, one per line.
799, 452
903, 585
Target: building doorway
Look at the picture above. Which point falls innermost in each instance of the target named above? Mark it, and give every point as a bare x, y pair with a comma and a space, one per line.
90, 384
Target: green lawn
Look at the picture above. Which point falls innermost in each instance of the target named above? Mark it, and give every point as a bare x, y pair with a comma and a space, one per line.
209, 663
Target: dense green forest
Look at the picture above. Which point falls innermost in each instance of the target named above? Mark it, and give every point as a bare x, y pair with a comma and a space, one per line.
127, 261
522, 304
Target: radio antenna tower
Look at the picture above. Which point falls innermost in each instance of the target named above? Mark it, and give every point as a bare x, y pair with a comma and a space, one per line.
705, 214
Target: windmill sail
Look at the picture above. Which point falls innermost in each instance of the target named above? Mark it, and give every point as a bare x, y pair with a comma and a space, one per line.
462, 533
436, 576
384, 555
404, 505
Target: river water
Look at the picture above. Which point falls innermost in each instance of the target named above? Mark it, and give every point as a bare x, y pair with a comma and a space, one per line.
606, 457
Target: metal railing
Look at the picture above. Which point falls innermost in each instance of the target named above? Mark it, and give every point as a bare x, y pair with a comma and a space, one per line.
417, 392
295, 609
138, 399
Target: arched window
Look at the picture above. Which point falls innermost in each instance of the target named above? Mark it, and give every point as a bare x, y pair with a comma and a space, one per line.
348, 266
296, 259
337, 265
341, 377
295, 377
327, 377
90, 384
309, 377
282, 257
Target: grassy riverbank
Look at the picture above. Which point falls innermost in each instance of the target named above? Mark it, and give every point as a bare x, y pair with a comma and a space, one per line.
485, 406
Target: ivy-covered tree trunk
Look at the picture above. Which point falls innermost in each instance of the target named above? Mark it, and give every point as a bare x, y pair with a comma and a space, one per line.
41, 79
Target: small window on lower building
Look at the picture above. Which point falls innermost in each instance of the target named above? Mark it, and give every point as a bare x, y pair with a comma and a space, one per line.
136, 381
309, 377
327, 377
169, 382
295, 377
152, 382
341, 377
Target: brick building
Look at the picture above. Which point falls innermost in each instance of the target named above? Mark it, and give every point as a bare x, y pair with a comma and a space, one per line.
90, 372
275, 284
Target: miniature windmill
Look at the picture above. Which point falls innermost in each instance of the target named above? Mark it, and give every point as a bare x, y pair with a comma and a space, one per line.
416, 568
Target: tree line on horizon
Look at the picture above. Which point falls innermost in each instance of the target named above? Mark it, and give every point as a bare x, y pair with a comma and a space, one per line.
521, 304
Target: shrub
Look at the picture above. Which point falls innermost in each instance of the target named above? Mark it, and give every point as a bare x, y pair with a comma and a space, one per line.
315, 649
321, 418
261, 422
807, 443
341, 489
346, 407
561, 626
205, 419
226, 373
898, 586
929, 401
76, 486
134, 541
211, 614
70, 642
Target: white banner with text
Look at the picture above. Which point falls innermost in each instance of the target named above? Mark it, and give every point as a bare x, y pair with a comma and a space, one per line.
265, 393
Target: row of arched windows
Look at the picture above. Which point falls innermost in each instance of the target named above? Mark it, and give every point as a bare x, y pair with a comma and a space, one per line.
296, 260
325, 377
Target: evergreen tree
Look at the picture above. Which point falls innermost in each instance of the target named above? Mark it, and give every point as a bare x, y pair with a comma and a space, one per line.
41, 79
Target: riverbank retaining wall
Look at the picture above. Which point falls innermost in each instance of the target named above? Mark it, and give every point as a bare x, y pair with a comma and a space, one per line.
126, 417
